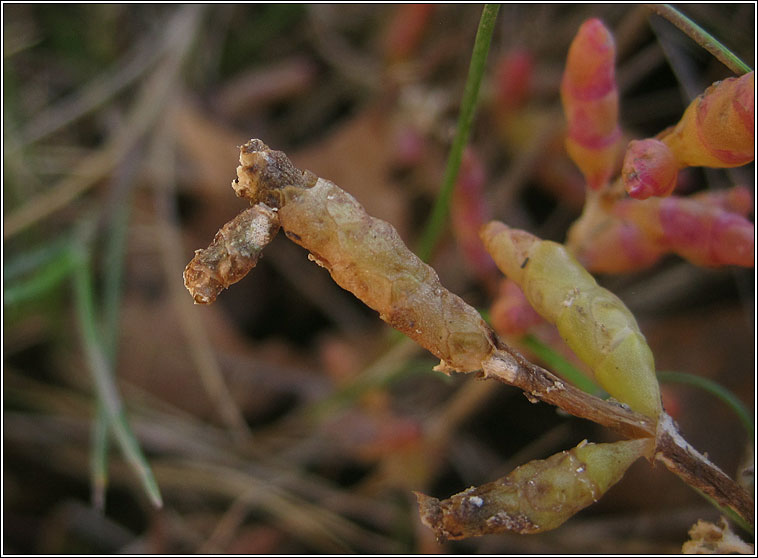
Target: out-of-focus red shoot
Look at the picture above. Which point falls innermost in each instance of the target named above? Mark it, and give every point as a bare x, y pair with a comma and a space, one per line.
590, 103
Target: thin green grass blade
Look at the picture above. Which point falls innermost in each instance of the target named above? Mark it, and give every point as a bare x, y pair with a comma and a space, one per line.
115, 252
436, 222
701, 37
102, 374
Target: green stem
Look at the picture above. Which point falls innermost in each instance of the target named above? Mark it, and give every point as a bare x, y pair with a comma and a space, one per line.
714, 389
436, 222
701, 37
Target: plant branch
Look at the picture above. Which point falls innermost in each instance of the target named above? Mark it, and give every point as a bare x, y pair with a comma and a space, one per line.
696, 470
510, 367
366, 256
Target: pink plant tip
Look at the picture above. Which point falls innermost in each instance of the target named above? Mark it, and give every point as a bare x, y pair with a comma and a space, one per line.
650, 169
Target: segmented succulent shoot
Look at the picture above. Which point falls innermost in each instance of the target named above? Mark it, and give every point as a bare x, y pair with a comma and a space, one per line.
619, 246
538, 496
738, 199
718, 127
708, 229
698, 229
716, 130
365, 256
590, 103
233, 253
593, 322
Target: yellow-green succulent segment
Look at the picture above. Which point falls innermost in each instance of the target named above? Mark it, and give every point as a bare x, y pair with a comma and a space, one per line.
594, 322
538, 496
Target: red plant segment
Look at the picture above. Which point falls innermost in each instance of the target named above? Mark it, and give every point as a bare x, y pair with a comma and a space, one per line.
697, 229
707, 229
716, 130
590, 103
406, 30
619, 247
468, 212
737, 200
511, 313
650, 169
706, 236
513, 79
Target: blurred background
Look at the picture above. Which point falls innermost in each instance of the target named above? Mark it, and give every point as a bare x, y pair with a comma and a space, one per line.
286, 417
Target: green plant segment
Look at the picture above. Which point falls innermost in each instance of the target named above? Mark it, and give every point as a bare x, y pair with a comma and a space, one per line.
594, 322
538, 496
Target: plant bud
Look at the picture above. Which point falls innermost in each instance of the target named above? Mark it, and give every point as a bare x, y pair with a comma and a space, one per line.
590, 103
650, 169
